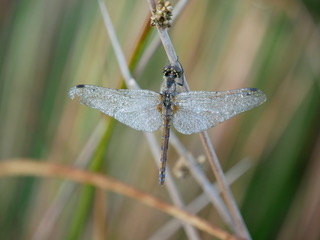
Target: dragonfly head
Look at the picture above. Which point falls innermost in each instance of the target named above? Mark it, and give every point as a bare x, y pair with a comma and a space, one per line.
171, 75
171, 71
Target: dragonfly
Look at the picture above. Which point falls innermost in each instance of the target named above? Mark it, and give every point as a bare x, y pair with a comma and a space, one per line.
190, 112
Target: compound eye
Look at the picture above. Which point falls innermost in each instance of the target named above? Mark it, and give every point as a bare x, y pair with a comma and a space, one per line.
166, 72
175, 74
171, 71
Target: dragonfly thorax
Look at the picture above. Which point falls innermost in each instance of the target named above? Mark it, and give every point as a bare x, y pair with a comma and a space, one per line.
167, 100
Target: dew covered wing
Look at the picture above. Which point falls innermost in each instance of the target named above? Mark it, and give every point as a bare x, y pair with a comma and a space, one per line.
198, 111
135, 108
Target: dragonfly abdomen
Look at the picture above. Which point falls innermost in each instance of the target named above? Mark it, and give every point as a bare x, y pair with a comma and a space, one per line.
167, 116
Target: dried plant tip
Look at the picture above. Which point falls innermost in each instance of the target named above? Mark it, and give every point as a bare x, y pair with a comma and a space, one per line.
181, 168
162, 15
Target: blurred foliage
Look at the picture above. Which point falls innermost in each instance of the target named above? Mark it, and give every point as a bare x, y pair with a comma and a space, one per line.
46, 47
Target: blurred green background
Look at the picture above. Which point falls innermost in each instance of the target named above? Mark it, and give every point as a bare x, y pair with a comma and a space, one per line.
46, 47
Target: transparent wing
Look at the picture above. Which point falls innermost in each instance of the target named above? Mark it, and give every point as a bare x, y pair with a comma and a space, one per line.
136, 108
198, 111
